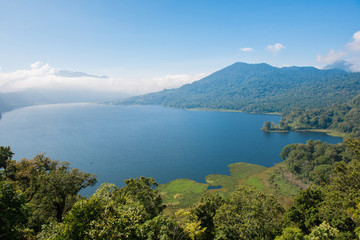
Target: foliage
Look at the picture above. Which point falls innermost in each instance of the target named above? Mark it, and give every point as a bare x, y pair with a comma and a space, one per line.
131, 212
51, 187
343, 118
142, 190
205, 211
304, 213
291, 233
5, 155
191, 224
50, 207
314, 160
13, 211
248, 214
323, 232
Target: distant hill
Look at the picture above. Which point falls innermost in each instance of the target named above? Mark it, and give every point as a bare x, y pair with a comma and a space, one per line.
342, 65
259, 88
31, 97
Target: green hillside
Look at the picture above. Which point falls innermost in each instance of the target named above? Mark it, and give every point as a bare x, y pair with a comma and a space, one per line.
259, 88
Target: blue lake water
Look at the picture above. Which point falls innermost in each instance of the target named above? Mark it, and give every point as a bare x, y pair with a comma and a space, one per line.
121, 142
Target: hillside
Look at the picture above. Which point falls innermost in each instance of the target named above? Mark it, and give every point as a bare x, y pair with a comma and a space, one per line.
339, 118
259, 88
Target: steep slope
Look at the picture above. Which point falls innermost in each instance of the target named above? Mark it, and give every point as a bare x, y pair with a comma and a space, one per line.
259, 88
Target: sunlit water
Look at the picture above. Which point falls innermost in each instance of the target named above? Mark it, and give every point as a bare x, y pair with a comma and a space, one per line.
121, 142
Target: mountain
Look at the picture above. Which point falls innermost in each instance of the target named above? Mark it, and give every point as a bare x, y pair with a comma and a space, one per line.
66, 73
259, 88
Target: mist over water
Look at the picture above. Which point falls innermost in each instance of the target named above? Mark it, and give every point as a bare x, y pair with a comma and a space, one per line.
121, 142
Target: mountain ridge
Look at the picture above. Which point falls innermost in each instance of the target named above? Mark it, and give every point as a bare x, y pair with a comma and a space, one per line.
259, 88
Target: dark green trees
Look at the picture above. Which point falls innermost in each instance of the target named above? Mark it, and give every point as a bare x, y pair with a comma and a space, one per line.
249, 214
49, 187
205, 212
131, 212
5, 155
13, 213
314, 160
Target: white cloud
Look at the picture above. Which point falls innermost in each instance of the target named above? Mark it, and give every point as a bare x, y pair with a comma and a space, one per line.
275, 48
247, 49
43, 76
355, 44
355, 67
350, 54
331, 57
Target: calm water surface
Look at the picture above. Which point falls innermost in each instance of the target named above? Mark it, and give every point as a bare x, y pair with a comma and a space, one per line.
121, 142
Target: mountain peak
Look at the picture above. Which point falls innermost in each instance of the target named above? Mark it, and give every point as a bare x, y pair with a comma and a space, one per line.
259, 88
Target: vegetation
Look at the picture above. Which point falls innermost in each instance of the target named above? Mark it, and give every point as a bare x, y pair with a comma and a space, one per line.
342, 118
185, 192
39, 200
259, 88
182, 192
314, 161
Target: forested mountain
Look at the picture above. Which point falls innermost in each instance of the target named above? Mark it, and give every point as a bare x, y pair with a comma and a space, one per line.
259, 88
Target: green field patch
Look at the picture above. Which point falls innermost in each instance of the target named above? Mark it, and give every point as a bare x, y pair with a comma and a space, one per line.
238, 172
225, 181
244, 170
256, 182
182, 192
279, 183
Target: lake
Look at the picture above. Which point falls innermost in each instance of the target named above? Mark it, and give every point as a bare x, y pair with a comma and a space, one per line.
121, 142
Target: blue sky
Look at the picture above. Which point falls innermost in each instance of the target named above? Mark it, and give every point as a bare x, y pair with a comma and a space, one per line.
151, 44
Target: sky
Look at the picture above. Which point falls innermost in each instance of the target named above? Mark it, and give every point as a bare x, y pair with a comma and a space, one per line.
148, 45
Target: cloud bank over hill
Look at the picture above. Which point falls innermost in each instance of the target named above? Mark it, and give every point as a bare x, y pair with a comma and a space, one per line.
43, 76
350, 54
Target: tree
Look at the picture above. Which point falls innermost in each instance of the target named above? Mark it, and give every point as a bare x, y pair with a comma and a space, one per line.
324, 232
267, 126
5, 155
354, 145
205, 211
249, 214
143, 190
13, 212
51, 187
291, 233
131, 212
305, 211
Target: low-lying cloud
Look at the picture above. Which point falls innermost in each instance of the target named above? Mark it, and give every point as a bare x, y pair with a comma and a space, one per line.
350, 54
43, 76
331, 57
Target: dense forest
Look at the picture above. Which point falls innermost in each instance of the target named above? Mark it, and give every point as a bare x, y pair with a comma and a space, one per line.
259, 88
342, 118
39, 199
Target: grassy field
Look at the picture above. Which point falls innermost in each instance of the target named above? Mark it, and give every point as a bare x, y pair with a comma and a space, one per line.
238, 172
182, 192
185, 192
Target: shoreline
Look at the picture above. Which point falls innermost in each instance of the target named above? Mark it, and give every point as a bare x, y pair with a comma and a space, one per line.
227, 110
327, 131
